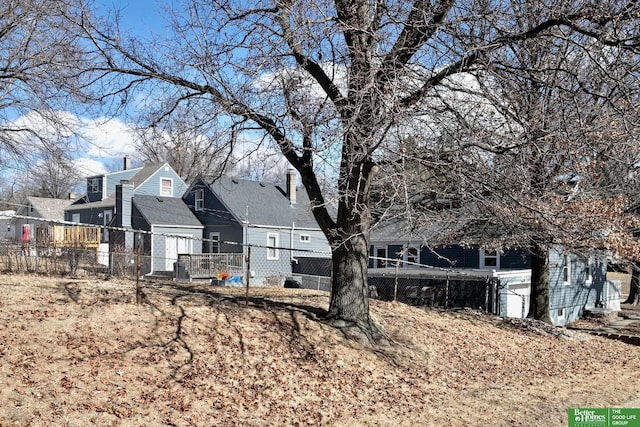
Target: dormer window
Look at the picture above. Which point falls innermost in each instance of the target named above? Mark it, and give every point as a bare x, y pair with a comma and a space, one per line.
93, 185
199, 205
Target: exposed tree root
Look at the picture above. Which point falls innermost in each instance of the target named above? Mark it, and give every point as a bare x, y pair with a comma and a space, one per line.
366, 333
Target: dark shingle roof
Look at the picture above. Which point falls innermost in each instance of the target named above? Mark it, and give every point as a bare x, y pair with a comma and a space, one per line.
145, 173
402, 230
264, 203
165, 211
109, 202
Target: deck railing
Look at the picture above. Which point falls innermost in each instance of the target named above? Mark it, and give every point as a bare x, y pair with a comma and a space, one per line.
203, 266
68, 236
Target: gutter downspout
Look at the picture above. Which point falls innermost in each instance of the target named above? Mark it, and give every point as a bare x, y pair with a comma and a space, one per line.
293, 259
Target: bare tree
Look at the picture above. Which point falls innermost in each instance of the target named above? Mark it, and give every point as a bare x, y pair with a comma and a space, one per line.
39, 60
193, 143
53, 176
328, 81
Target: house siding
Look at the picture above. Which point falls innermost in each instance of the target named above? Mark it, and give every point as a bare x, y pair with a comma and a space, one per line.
450, 256
114, 178
455, 256
159, 244
317, 245
94, 196
268, 271
515, 259
151, 186
6, 228
578, 293
88, 215
216, 218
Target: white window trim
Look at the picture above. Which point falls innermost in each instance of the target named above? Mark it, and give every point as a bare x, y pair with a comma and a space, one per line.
162, 193
566, 265
483, 257
560, 313
199, 197
406, 256
211, 240
377, 261
305, 238
273, 247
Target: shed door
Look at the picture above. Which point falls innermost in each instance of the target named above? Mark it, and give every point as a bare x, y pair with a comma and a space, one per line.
515, 295
175, 245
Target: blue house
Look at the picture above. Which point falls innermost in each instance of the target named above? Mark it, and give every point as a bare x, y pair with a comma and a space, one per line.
274, 219
97, 206
576, 282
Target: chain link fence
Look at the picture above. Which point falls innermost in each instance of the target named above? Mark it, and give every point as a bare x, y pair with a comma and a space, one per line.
172, 257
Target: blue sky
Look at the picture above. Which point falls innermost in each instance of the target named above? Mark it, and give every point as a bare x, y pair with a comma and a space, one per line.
111, 139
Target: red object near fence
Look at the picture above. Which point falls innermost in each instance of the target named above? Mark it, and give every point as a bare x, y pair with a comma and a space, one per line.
26, 233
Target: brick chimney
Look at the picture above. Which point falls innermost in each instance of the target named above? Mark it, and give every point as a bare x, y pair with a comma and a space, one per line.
291, 186
127, 163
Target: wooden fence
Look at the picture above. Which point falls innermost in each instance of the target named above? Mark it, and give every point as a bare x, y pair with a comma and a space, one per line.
66, 236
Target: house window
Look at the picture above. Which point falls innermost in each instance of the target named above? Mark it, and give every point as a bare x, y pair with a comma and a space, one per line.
272, 246
489, 259
412, 256
566, 269
381, 257
214, 243
199, 205
305, 238
94, 185
166, 187
560, 313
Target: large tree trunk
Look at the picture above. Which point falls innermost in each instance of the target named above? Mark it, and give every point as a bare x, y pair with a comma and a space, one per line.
349, 305
539, 304
634, 290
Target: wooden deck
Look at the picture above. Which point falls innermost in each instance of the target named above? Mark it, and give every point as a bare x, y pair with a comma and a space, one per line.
206, 266
66, 236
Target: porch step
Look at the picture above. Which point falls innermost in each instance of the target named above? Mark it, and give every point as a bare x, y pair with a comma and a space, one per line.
159, 275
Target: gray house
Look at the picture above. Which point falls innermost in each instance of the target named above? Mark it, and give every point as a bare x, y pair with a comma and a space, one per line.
98, 205
168, 228
576, 282
40, 209
274, 219
7, 231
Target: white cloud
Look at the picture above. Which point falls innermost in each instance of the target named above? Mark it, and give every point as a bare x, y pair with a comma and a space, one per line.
111, 138
89, 167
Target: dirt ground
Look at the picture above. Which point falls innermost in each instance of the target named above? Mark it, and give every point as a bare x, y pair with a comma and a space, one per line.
80, 352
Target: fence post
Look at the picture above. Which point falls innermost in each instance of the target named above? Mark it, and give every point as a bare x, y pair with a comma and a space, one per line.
246, 296
395, 287
446, 293
138, 267
486, 296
